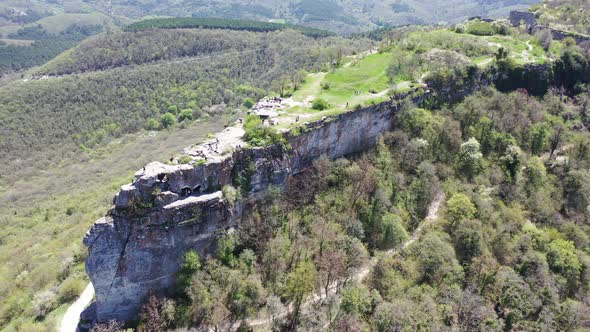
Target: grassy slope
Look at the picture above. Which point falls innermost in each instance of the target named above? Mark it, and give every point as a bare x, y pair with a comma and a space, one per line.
370, 74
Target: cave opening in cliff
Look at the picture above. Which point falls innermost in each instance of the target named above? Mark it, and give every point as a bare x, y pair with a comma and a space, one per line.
197, 189
162, 177
186, 191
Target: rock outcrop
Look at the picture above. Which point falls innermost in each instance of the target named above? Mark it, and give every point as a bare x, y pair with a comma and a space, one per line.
168, 210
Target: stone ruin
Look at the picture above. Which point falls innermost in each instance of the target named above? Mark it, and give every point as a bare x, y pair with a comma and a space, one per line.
518, 17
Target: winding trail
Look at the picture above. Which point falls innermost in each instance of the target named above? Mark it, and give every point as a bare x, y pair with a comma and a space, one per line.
69, 323
362, 273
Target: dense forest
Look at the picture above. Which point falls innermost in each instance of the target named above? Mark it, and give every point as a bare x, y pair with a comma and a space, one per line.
44, 47
120, 48
129, 97
228, 24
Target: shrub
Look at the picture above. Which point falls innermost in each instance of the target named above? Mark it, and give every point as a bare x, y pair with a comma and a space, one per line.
326, 86
231, 194
480, 28
69, 290
43, 303
167, 120
257, 134
248, 103
173, 109
185, 115
185, 159
153, 124
320, 104
459, 207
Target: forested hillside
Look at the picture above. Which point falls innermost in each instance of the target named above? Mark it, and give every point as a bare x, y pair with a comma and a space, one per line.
568, 15
39, 46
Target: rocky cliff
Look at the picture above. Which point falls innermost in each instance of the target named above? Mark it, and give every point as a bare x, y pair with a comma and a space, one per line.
167, 210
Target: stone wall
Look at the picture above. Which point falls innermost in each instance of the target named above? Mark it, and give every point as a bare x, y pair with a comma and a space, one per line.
561, 35
138, 246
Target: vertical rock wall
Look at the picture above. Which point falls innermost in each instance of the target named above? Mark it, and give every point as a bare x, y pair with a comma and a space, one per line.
139, 246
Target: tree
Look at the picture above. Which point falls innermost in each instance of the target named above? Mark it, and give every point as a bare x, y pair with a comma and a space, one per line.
468, 240
436, 260
153, 124
545, 38
562, 259
394, 233
356, 300
539, 137
226, 248
300, 282
459, 207
511, 162
248, 103
470, 161
414, 120
151, 316
535, 175
167, 120
186, 114
191, 264
513, 297
173, 109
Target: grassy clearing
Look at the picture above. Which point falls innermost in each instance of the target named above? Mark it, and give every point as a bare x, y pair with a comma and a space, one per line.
365, 76
338, 86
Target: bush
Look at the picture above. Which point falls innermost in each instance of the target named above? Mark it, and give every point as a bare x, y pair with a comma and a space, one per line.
320, 104
43, 303
257, 134
231, 194
480, 28
167, 120
153, 124
185, 159
248, 103
185, 115
69, 290
173, 109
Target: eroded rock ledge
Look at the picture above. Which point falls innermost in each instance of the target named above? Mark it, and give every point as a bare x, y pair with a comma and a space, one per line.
167, 210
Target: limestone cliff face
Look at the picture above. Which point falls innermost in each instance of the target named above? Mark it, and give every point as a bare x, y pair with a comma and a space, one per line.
167, 210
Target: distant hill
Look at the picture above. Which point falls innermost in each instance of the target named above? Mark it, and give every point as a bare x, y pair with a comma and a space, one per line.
335, 15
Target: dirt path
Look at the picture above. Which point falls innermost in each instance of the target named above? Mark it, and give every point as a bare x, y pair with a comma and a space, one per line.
69, 323
433, 213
